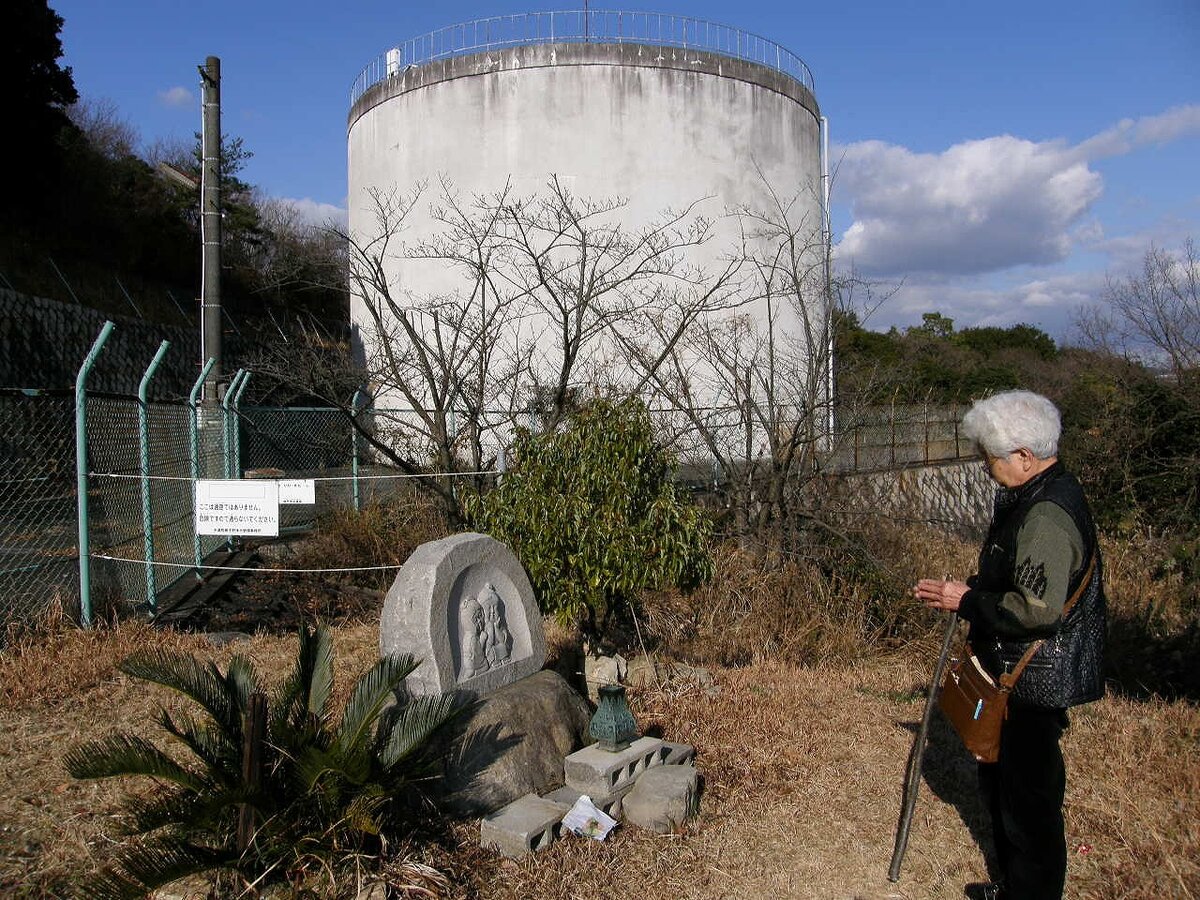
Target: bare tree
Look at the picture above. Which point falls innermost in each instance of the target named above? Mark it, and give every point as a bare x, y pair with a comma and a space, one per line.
1154, 313
751, 388
585, 278
109, 133
529, 298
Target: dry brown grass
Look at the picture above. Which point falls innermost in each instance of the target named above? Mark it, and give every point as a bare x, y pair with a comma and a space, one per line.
1154, 616
802, 766
384, 533
803, 775
65, 689
838, 607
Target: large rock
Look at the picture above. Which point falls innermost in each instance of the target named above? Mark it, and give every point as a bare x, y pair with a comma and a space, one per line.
512, 743
463, 606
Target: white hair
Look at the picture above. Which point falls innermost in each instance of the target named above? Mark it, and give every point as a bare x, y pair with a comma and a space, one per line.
1006, 422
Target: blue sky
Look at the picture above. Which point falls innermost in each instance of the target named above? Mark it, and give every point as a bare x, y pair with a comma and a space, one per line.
996, 161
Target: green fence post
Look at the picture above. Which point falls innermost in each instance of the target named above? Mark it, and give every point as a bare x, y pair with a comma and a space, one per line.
235, 425
354, 448
144, 445
81, 479
194, 435
230, 391
237, 378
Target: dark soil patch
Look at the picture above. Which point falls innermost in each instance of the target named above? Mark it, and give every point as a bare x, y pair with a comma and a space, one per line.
271, 602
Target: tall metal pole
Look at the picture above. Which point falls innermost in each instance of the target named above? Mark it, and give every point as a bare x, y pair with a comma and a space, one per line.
827, 250
231, 391
194, 441
210, 226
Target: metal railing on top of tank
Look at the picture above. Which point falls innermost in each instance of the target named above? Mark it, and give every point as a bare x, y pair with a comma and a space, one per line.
579, 26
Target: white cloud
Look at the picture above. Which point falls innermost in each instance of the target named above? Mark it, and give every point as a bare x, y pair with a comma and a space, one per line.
313, 212
1129, 134
176, 96
978, 207
984, 205
1048, 301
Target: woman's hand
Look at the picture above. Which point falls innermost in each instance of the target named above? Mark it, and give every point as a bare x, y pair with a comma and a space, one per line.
940, 593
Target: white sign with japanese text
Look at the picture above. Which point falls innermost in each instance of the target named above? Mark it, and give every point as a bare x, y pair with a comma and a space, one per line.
229, 507
297, 490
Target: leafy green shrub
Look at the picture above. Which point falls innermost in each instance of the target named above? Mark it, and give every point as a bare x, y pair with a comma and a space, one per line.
592, 512
326, 791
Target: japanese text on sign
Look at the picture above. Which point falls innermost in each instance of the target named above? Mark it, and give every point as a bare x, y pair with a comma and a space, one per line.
237, 508
297, 490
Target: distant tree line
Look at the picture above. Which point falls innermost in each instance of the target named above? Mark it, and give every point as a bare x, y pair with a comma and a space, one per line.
1129, 392
83, 191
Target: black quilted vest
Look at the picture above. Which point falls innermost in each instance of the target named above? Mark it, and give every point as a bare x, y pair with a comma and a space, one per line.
1068, 669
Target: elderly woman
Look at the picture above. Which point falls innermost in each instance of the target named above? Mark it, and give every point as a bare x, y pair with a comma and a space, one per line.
1040, 550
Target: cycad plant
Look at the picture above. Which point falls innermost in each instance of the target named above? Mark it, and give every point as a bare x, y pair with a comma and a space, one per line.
316, 792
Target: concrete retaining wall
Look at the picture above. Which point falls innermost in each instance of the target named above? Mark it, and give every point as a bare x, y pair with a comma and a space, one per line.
43, 342
955, 496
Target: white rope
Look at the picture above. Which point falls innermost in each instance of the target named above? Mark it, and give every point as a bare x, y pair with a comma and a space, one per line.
317, 478
142, 562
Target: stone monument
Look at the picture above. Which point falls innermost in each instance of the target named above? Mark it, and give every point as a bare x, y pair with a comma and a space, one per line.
464, 606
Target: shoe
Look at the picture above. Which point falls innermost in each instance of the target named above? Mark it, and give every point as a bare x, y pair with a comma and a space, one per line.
984, 890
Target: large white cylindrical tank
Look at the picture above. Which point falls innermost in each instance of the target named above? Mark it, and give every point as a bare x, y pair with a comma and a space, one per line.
661, 116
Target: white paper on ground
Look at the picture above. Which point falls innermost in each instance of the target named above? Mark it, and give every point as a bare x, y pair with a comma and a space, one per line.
588, 820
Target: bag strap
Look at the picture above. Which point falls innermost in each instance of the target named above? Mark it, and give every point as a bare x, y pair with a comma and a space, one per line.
1009, 679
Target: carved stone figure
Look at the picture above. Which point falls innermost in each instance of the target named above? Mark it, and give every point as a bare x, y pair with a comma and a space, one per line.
497, 640
464, 606
472, 628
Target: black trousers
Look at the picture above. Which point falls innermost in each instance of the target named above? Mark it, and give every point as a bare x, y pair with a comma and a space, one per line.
1023, 791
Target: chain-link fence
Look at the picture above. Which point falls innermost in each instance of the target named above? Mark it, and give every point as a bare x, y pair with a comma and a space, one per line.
38, 521
141, 461
864, 440
143, 458
884, 437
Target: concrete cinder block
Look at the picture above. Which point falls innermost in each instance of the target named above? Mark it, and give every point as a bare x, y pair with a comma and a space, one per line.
527, 824
609, 803
678, 754
663, 798
597, 772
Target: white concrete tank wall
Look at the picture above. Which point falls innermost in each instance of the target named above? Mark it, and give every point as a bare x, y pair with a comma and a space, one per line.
661, 127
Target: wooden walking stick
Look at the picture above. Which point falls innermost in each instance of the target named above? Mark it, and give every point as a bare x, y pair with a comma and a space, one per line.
912, 780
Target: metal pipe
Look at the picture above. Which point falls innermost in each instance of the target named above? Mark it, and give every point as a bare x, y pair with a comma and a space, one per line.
194, 435
81, 479
354, 448
235, 425
827, 227
228, 427
144, 446
229, 391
